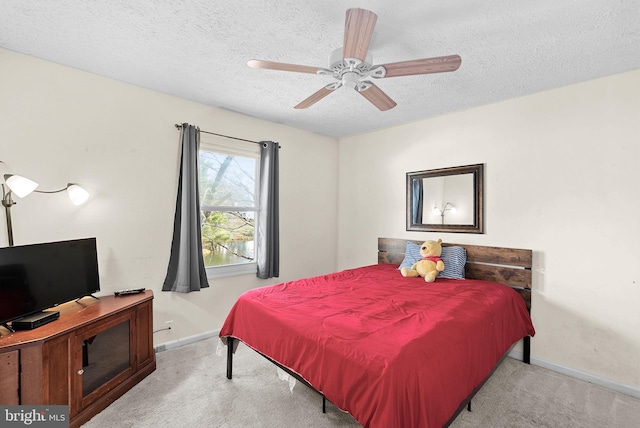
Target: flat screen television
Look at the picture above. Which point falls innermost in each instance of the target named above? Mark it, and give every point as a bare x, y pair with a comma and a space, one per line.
40, 276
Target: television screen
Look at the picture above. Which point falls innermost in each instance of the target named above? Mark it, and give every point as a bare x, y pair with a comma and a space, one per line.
40, 276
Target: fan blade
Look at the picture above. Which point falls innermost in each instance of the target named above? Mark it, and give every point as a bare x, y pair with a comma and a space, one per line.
440, 64
378, 98
358, 29
282, 66
317, 96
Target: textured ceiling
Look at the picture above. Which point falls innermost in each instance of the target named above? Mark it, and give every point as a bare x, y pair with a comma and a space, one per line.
198, 49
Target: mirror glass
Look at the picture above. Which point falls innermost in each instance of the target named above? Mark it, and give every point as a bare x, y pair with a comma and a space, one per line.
446, 199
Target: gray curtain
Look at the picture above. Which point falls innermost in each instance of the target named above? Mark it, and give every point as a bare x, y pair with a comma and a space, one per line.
268, 234
186, 271
416, 202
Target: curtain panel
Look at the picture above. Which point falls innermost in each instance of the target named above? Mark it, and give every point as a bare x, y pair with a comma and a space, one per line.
268, 233
186, 271
417, 202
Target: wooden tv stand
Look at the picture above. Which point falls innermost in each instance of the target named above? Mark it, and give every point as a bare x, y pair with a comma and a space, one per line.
95, 352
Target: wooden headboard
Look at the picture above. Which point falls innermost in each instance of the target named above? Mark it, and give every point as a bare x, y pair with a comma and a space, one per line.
509, 266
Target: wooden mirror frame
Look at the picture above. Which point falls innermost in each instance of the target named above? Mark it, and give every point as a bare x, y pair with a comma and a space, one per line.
478, 192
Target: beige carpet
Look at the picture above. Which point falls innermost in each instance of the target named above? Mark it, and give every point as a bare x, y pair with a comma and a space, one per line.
189, 389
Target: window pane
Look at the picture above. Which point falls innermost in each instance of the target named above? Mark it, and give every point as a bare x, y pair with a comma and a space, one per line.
228, 237
227, 180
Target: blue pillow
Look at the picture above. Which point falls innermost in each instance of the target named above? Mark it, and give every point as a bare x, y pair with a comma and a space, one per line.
411, 255
454, 259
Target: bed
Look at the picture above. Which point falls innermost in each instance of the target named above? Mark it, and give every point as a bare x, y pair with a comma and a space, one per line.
392, 351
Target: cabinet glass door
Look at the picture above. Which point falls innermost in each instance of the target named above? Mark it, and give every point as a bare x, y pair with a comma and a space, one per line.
105, 355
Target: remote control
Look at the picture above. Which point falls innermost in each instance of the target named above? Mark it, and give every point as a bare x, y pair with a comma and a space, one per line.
128, 291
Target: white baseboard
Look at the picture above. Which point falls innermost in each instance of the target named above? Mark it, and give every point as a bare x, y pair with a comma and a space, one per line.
187, 340
588, 377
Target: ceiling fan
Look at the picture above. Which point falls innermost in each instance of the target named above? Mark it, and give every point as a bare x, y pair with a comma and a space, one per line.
351, 65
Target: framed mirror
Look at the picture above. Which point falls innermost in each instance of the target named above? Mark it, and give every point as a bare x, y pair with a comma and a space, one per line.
446, 200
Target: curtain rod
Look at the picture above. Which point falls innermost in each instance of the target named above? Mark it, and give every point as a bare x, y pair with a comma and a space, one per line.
178, 126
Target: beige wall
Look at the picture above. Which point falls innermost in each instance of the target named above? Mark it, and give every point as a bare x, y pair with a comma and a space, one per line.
59, 124
561, 174
561, 179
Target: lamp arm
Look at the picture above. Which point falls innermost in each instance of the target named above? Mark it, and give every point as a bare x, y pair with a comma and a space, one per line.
55, 191
51, 191
7, 200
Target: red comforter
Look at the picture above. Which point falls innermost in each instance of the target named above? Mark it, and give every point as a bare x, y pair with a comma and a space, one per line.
392, 351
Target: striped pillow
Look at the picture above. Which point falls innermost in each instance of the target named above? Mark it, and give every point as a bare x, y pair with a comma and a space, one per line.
454, 259
411, 255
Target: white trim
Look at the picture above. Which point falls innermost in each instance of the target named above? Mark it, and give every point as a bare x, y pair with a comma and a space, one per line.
588, 377
250, 151
231, 270
186, 341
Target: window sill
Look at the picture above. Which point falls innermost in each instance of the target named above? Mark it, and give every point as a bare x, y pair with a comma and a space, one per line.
231, 270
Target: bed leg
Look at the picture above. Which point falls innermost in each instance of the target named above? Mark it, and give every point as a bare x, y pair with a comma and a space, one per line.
324, 404
469, 406
229, 356
526, 350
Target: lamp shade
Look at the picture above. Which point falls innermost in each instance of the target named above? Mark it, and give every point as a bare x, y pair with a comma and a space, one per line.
20, 185
77, 194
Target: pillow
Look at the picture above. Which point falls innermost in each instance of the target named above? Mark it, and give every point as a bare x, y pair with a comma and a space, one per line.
411, 255
454, 259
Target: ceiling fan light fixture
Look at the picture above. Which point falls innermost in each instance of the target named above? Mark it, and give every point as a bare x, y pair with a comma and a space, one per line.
350, 80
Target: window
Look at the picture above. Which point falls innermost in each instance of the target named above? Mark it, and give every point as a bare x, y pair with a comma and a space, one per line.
228, 180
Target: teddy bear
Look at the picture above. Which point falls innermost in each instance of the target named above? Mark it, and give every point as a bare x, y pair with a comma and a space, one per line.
430, 265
